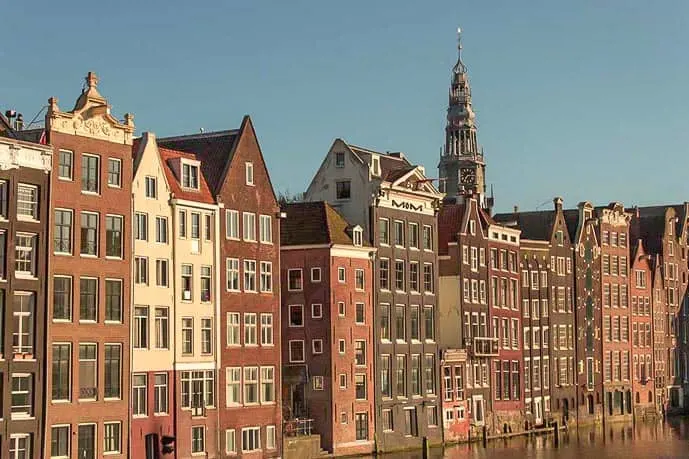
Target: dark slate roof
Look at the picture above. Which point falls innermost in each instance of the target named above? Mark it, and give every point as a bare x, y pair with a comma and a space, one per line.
534, 225
213, 149
315, 223
649, 225
572, 222
31, 135
391, 167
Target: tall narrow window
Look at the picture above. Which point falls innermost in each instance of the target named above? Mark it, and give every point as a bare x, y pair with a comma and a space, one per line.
231, 224
61, 371
182, 217
160, 394
266, 329
112, 437
113, 300
195, 225
114, 172
23, 322
187, 282
250, 328
266, 276
22, 396
140, 327
62, 298
113, 370
232, 274
113, 236
89, 234
249, 226
88, 371
162, 272
151, 187
267, 384
62, 231
205, 283
206, 336
161, 230
233, 335
266, 229
249, 169
139, 399
27, 201
65, 165
187, 335
141, 270
249, 275
190, 176
90, 171
88, 299
162, 328
25, 254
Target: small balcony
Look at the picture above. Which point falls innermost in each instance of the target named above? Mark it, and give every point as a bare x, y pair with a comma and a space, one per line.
484, 346
298, 427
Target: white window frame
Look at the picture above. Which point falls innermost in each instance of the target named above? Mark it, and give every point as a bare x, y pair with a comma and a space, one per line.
249, 173
232, 224
265, 224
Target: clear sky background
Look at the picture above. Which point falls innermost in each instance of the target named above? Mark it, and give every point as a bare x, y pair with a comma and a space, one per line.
588, 99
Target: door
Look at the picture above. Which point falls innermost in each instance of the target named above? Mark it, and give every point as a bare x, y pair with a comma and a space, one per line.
152, 446
538, 411
478, 409
87, 442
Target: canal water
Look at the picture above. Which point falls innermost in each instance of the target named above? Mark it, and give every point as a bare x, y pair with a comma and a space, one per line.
662, 440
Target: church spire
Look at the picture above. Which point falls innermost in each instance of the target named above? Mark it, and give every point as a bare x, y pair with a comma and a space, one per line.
461, 163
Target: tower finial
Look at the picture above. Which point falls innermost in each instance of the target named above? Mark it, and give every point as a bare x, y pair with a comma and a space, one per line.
459, 38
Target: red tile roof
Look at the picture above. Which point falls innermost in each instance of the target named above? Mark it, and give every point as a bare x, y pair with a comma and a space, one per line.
314, 223
203, 195
449, 223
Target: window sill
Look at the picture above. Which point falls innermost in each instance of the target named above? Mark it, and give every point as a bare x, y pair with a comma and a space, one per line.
161, 415
62, 321
112, 399
27, 219
88, 255
108, 257
25, 275
88, 321
90, 193
139, 416
60, 402
116, 453
113, 322
87, 400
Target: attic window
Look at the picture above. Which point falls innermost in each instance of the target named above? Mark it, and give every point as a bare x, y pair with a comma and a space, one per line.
249, 173
190, 176
358, 236
339, 159
375, 166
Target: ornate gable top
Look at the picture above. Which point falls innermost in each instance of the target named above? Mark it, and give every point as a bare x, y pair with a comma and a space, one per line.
90, 116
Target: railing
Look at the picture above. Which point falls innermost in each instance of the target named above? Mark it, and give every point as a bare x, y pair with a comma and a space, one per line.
62, 245
87, 392
298, 427
484, 346
88, 248
198, 411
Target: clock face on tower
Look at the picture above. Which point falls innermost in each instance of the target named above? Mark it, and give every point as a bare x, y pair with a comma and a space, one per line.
467, 175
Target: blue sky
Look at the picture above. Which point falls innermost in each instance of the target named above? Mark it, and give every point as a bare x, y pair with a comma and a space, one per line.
587, 99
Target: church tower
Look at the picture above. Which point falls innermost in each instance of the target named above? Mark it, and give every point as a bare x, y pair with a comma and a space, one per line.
462, 168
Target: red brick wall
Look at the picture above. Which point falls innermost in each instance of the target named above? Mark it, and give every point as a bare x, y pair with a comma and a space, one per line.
153, 423
66, 194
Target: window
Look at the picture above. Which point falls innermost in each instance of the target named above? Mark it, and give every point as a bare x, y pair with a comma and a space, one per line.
429, 323
384, 273
384, 231
162, 273
339, 159
316, 311
160, 394
205, 283
250, 385
86, 445
25, 254
294, 280
162, 328
187, 282
20, 446
233, 377
139, 392
114, 172
410, 423
270, 437
401, 375
387, 420
400, 323
232, 224
90, 172
113, 300
296, 351
23, 322
161, 230
360, 386
432, 415
357, 237
342, 189
249, 170
341, 346
429, 373
206, 336
113, 371
359, 279
65, 165
267, 329
190, 176
62, 232
427, 237
414, 276
414, 331
198, 439
27, 201
89, 234
360, 352
399, 233
343, 384
399, 275
251, 439
232, 273
187, 335
341, 274
113, 236
416, 374
62, 298
428, 277
151, 187
385, 322
266, 229
112, 437
360, 314
249, 275
385, 380
195, 225
208, 228
267, 384
88, 371
141, 270
59, 441
61, 371
233, 329
140, 327
317, 346
250, 328
249, 226
88, 299
182, 223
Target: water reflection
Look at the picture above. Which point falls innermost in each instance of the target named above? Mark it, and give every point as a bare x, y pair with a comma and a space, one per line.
663, 440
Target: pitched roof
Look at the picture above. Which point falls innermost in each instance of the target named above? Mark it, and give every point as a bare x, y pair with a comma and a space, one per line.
204, 195
534, 225
392, 165
214, 149
449, 223
315, 223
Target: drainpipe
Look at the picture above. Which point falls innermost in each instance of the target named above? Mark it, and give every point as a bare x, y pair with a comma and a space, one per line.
173, 334
218, 311
130, 411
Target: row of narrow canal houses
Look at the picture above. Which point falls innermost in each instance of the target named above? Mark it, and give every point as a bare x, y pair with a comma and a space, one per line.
189, 313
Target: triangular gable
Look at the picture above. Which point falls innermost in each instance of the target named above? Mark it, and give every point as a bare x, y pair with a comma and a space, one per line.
148, 139
422, 183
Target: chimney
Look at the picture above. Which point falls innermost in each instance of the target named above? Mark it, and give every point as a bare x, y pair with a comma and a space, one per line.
516, 209
558, 203
19, 123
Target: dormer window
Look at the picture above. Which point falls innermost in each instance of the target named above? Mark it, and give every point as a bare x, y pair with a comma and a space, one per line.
190, 176
339, 159
358, 236
375, 166
249, 173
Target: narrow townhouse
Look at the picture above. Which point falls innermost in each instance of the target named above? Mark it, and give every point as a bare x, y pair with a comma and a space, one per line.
153, 337
194, 237
396, 206
660, 338
613, 230
464, 315
642, 331
327, 301
250, 414
88, 335
25, 169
